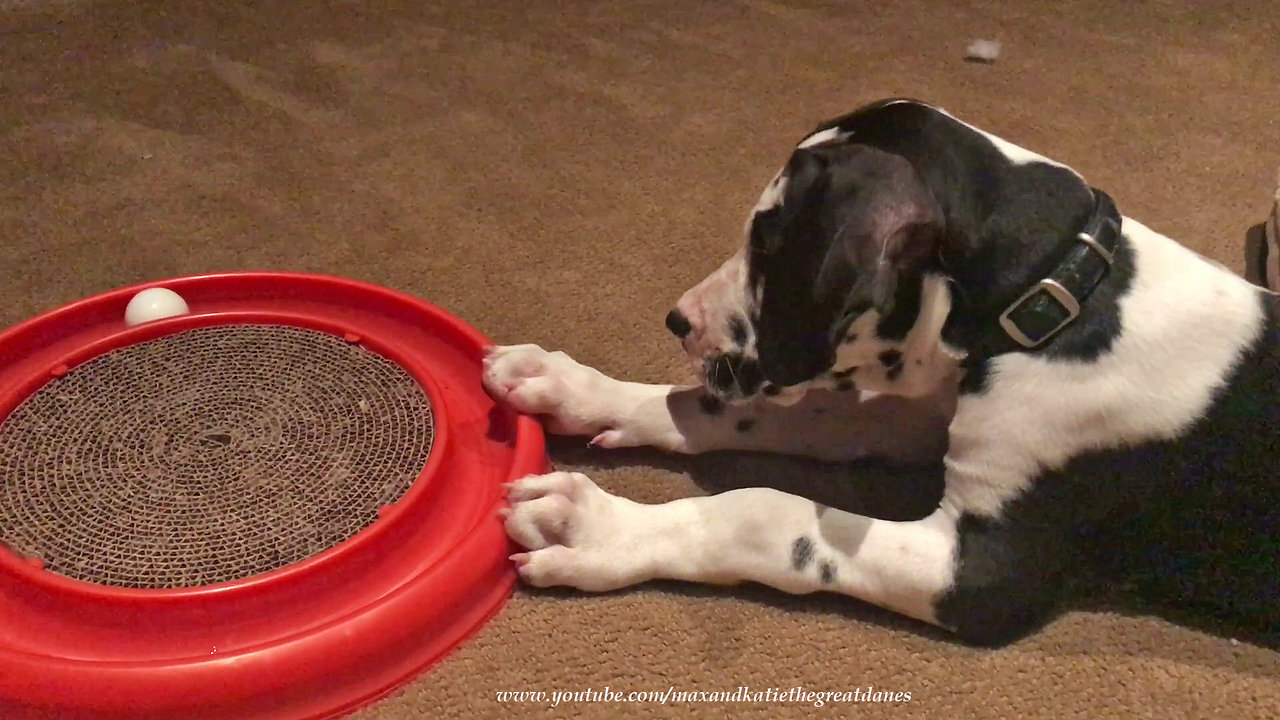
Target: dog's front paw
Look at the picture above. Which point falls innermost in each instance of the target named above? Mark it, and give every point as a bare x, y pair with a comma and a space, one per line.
572, 398
577, 534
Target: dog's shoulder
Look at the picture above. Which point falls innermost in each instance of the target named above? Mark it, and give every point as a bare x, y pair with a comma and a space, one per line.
1176, 342
1154, 457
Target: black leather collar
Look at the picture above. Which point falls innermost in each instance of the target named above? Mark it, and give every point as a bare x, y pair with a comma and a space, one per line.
1053, 303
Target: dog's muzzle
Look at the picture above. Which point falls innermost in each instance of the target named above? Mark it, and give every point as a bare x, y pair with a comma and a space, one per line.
733, 376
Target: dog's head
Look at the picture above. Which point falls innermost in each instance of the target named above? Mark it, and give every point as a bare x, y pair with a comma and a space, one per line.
834, 287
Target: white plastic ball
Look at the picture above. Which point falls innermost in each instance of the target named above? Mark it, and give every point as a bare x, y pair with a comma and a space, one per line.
154, 304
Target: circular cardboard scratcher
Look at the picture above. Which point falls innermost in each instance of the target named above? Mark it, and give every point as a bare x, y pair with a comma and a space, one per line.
279, 506
209, 455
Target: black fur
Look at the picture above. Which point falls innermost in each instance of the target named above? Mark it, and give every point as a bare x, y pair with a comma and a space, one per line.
845, 206
801, 553
1085, 339
734, 375
826, 572
1256, 252
738, 330
678, 324
889, 358
906, 308
941, 198
976, 376
1195, 520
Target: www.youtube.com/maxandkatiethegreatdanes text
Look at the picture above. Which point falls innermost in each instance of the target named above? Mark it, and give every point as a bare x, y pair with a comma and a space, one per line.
672, 696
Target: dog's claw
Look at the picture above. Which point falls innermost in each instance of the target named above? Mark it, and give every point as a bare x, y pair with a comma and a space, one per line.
609, 438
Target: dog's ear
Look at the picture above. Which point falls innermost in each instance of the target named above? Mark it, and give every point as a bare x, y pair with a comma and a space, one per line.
855, 223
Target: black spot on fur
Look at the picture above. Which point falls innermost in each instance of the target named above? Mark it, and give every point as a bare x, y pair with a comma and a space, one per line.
902, 318
770, 389
801, 553
738, 329
851, 338
827, 572
889, 358
710, 404
844, 373
745, 424
894, 372
845, 385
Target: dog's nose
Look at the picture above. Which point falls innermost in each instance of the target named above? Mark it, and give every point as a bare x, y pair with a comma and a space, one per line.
678, 324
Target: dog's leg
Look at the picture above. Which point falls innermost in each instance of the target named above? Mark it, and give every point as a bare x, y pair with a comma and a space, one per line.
581, 536
577, 400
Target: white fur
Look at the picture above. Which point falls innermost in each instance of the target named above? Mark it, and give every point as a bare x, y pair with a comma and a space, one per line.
822, 136
581, 536
1019, 155
927, 361
1158, 378
835, 134
772, 195
579, 400
708, 307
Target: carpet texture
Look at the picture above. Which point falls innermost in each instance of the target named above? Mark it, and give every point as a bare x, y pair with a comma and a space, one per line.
559, 173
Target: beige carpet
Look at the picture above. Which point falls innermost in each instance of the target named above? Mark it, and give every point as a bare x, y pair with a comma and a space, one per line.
558, 172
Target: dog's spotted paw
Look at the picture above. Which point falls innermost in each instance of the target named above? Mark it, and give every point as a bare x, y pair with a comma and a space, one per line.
572, 398
576, 534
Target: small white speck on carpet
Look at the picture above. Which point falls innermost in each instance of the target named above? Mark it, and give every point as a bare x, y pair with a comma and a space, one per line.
984, 51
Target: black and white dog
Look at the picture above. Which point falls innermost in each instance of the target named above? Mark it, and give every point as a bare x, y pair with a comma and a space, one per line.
917, 289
